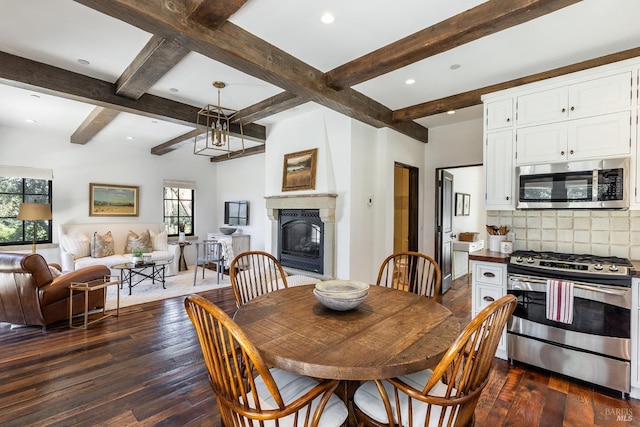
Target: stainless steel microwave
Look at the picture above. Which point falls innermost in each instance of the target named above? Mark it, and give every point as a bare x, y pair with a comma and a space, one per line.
596, 184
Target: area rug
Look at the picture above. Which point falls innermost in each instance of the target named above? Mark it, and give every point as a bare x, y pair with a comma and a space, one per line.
176, 286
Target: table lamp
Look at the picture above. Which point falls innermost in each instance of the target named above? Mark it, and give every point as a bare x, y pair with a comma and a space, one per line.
34, 212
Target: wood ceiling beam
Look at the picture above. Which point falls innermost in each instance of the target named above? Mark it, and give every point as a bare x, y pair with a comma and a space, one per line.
258, 149
245, 52
26, 74
473, 97
212, 14
276, 104
154, 61
157, 58
473, 24
97, 120
174, 144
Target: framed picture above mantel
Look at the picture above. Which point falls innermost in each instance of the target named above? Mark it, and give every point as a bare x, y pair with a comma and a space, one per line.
113, 200
299, 170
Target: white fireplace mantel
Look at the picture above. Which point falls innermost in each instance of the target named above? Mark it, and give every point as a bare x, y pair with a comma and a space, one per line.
326, 205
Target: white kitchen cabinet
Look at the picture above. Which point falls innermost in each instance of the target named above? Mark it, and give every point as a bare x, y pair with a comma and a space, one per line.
461, 256
588, 98
499, 114
499, 171
607, 135
489, 284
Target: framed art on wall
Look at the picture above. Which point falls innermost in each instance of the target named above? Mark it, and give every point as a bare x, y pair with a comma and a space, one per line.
459, 204
299, 170
113, 200
466, 204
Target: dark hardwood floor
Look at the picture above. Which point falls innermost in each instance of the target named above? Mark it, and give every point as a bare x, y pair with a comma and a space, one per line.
145, 368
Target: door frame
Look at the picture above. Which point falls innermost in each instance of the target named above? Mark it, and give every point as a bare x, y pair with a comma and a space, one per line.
437, 194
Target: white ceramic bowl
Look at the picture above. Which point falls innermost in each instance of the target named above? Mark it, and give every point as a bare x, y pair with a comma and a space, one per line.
344, 289
227, 229
338, 303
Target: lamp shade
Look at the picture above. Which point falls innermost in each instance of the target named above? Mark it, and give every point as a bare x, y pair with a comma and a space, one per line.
34, 211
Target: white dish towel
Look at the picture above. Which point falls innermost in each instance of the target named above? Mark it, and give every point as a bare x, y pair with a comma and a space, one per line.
560, 301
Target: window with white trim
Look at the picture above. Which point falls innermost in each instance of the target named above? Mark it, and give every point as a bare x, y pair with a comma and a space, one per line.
178, 207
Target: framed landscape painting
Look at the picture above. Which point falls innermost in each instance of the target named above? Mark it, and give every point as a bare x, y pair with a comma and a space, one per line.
299, 170
113, 200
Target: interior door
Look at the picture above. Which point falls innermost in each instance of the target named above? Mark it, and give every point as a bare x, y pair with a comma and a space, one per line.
444, 220
405, 196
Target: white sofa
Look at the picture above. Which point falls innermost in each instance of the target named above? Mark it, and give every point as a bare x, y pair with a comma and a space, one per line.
75, 245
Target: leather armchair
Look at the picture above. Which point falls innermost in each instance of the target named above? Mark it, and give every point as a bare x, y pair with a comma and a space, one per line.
31, 295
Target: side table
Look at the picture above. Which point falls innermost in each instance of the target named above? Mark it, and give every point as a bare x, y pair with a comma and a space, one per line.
91, 286
182, 264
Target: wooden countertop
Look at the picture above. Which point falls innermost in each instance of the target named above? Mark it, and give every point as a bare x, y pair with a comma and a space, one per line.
488, 256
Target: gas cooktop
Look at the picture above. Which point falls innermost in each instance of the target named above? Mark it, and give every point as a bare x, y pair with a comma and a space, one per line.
579, 263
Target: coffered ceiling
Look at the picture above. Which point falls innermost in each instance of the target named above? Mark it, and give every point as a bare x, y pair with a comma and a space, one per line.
99, 70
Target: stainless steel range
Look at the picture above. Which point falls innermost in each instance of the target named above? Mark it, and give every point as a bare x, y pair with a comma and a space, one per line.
596, 345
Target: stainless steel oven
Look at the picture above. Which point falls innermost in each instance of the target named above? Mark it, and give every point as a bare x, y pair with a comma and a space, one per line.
596, 345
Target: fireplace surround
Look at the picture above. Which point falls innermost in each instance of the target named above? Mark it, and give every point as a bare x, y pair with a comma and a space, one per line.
325, 205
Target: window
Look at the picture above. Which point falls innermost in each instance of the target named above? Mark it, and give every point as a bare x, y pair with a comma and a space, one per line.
18, 185
179, 198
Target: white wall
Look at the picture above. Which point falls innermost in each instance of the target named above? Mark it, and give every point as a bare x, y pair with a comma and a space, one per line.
455, 145
356, 162
116, 162
469, 180
243, 179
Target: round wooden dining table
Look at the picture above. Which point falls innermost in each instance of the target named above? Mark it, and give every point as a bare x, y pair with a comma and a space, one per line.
390, 334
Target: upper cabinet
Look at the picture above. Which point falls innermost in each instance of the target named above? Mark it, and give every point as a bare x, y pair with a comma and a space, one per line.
607, 135
588, 115
499, 114
498, 171
592, 97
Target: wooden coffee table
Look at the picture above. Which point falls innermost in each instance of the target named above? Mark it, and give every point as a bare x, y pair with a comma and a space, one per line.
132, 274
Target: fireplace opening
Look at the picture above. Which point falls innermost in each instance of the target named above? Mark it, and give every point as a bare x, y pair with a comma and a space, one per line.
300, 240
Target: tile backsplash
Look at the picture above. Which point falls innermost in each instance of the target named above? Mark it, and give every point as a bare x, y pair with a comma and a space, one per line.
598, 232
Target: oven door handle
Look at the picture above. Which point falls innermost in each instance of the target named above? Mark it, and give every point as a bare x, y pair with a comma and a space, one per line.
578, 286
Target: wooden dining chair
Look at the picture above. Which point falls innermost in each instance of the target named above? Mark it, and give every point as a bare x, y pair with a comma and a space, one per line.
254, 273
247, 391
413, 272
446, 396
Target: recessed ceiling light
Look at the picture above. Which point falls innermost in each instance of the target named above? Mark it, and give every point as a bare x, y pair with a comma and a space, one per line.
173, 89
409, 81
455, 66
451, 112
130, 138
327, 18
83, 62
30, 121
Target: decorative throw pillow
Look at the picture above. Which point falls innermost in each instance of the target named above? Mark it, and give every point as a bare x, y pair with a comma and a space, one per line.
55, 272
102, 246
159, 241
78, 246
134, 241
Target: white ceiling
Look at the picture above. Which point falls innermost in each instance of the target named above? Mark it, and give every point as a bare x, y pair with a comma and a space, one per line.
59, 32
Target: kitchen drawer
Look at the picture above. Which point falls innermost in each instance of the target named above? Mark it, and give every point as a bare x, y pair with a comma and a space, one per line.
489, 273
485, 295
